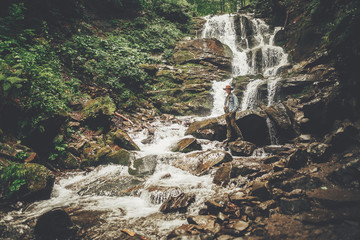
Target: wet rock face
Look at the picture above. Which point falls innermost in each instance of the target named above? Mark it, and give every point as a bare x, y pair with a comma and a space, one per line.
106, 155
282, 118
55, 224
298, 159
114, 186
200, 162
209, 129
208, 50
121, 139
319, 152
251, 123
223, 175
187, 145
144, 166
241, 148
178, 203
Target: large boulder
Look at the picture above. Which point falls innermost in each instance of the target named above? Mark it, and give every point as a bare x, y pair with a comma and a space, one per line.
199, 162
251, 123
242, 148
282, 118
347, 175
122, 139
343, 137
187, 145
98, 112
29, 181
144, 166
298, 159
210, 129
55, 224
253, 127
106, 155
208, 50
115, 186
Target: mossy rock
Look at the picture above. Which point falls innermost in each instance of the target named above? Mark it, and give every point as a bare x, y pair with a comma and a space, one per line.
143, 166
69, 161
38, 182
149, 68
106, 155
98, 112
100, 105
122, 139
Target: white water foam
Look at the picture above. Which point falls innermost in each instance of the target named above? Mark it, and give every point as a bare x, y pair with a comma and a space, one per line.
219, 97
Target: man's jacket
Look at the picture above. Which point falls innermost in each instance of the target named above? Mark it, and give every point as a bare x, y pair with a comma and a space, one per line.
231, 103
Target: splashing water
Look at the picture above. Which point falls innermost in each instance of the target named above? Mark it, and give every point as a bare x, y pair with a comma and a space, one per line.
219, 97
250, 98
138, 210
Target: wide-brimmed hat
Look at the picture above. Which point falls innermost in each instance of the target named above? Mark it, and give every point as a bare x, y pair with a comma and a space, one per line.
228, 87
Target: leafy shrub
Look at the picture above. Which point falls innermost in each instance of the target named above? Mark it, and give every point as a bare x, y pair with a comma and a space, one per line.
13, 176
151, 34
46, 94
110, 62
10, 79
173, 10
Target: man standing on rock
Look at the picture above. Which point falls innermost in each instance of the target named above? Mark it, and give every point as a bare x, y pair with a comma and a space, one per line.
231, 105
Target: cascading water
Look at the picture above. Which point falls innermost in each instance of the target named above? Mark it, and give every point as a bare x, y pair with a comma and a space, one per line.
250, 98
100, 190
252, 43
219, 96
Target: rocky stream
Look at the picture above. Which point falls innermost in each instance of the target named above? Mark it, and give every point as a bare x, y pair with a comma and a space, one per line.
281, 182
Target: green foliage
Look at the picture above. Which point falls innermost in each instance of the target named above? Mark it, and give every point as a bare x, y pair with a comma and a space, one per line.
21, 156
151, 34
59, 150
206, 7
47, 94
110, 62
99, 106
10, 79
13, 176
173, 10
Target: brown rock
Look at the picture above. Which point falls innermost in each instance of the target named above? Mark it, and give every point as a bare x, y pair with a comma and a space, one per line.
122, 139
208, 222
319, 152
260, 189
335, 196
199, 162
293, 205
210, 129
187, 145
298, 159
222, 175
208, 50
178, 203
242, 148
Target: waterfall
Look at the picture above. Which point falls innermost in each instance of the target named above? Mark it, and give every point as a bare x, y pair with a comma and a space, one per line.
219, 96
250, 98
223, 29
272, 88
252, 43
